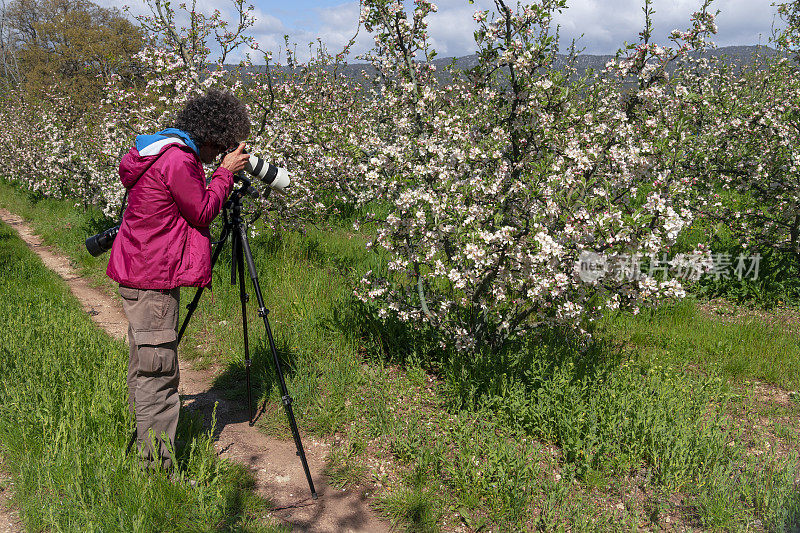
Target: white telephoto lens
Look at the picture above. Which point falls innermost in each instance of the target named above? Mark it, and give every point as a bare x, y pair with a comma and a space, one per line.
256, 166
281, 181
276, 177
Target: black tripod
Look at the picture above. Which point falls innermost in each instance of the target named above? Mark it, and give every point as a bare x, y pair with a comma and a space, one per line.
235, 227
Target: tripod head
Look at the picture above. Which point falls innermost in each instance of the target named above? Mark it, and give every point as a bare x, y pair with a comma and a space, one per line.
246, 187
234, 202
232, 216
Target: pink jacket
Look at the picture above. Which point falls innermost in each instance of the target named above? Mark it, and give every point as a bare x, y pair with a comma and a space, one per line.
164, 241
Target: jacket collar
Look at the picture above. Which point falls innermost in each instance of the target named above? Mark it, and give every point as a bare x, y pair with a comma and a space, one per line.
148, 145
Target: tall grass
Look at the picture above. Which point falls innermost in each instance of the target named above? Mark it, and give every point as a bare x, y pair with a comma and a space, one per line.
61, 224
64, 424
683, 336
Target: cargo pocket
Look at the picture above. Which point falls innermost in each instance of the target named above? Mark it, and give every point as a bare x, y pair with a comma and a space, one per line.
129, 293
153, 316
154, 360
158, 303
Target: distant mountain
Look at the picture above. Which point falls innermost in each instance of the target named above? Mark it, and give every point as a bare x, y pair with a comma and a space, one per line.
736, 55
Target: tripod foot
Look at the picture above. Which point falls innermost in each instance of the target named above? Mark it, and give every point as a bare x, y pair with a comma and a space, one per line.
313, 495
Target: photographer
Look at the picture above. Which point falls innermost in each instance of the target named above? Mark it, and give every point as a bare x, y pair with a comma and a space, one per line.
164, 244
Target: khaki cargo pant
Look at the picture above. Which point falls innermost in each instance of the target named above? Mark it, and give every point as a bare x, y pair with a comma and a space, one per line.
153, 373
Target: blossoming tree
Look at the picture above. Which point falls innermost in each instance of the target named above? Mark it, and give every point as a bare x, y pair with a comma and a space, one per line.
503, 180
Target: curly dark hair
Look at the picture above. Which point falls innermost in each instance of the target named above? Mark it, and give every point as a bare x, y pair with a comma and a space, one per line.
214, 118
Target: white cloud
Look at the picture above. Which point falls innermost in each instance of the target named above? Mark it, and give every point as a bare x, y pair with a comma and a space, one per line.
452, 29
746, 22
334, 26
601, 26
266, 23
604, 24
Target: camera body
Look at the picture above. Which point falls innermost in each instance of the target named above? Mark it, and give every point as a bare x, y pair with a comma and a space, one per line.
276, 178
101, 243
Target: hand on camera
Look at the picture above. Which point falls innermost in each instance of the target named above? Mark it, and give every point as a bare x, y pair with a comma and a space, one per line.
235, 160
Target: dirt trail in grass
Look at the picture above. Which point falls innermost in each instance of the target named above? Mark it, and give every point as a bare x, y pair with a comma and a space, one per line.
274, 463
9, 516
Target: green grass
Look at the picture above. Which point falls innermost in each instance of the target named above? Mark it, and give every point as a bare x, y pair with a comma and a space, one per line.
306, 298
64, 424
683, 336
62, 225
556, 434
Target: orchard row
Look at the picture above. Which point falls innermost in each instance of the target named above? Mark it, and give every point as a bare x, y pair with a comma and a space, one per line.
485, 190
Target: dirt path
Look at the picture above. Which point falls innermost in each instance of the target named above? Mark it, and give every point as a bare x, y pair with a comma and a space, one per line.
277, 469
9, 516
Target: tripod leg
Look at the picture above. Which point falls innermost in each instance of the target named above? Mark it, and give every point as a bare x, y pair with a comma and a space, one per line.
238, 261
131, 441
244, 246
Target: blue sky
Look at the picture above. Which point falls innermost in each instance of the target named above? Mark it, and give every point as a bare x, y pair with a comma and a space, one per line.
604, 24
